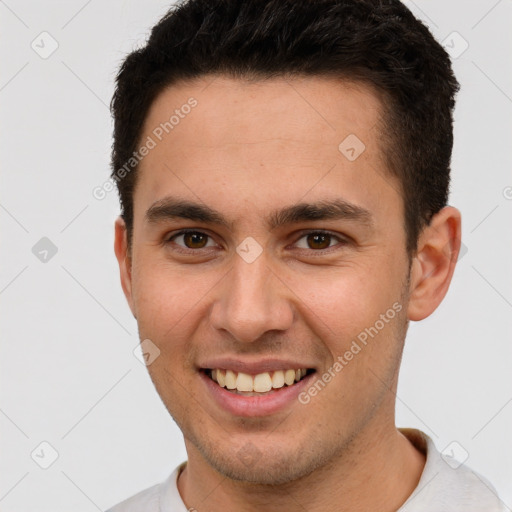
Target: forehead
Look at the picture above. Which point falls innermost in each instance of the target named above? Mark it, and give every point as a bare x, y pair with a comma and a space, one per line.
266, 141
304, 108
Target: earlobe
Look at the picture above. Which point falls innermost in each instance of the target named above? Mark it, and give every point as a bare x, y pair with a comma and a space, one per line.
434, 263
124, 261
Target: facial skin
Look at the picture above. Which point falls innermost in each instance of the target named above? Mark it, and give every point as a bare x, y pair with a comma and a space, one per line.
248, 150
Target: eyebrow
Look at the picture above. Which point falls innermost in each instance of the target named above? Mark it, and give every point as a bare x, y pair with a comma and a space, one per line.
170, 208
336, 209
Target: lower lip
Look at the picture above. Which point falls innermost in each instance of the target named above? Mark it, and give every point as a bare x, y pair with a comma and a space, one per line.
248, 406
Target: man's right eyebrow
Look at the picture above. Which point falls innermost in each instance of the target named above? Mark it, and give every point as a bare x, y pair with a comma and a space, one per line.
170, 208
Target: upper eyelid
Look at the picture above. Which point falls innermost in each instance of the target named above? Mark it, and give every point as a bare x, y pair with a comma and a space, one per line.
169, 236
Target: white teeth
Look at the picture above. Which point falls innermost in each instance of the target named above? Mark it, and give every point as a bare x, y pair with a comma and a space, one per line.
278, 379
289, 377
244, 382
230, 379
260, 383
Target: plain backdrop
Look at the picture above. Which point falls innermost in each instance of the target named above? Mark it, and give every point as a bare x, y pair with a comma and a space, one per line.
69, 376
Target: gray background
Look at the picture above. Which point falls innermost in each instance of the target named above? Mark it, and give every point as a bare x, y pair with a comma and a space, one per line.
69, 376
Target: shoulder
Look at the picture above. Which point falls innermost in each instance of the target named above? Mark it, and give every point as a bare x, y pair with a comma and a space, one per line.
146, 500
447, 484
157, 498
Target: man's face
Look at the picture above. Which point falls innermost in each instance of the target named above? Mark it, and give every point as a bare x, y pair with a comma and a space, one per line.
266, 283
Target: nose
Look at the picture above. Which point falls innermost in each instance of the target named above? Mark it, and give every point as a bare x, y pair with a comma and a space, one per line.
251, 301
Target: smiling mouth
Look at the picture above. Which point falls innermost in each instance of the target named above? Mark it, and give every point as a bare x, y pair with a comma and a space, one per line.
256, 385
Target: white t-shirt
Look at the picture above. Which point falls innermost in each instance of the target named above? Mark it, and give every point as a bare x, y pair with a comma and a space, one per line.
444, 486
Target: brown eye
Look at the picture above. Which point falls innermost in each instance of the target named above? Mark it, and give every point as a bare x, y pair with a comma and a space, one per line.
195, 240
192, 240
318, 240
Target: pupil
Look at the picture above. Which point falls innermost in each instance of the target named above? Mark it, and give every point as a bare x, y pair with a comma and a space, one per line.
195, 240
319, 241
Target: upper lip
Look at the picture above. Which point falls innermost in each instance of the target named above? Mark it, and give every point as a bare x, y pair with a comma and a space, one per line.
253, 367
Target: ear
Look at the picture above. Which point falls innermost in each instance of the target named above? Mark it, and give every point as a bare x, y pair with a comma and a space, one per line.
124, 261
434, 263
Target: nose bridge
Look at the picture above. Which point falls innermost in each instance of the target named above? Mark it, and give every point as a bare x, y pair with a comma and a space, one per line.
252, 301
250, 284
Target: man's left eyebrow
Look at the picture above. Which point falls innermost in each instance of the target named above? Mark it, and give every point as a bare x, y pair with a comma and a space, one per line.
337, 209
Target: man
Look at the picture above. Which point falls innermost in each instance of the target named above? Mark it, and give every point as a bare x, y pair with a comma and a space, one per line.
283, 169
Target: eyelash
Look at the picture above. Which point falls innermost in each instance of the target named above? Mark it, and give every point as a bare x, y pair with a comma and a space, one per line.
341, 240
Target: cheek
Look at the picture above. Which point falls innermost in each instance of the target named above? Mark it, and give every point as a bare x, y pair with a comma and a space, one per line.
169, 301
344, 301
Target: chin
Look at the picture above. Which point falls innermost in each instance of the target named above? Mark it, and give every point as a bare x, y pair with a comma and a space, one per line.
262, 465
262, 473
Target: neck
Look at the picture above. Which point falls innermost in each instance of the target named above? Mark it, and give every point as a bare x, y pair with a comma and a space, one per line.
379, 470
